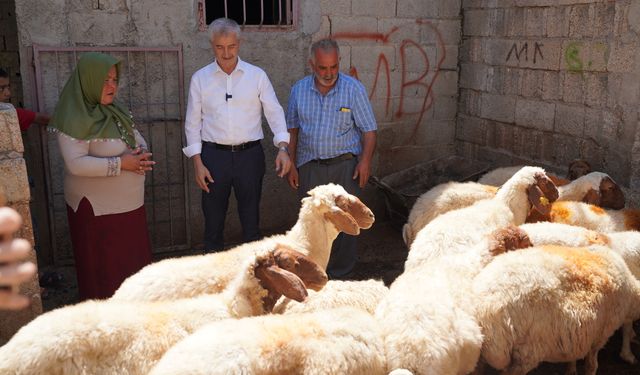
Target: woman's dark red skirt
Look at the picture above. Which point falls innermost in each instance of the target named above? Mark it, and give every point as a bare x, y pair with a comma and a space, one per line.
107, 248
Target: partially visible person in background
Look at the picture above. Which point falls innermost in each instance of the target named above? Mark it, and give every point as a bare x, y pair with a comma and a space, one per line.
105, 161
25, 116
13, 270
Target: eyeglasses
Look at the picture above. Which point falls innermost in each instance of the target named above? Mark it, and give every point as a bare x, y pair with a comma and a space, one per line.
5, 87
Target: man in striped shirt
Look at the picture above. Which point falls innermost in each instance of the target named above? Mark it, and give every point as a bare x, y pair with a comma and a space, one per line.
333, 136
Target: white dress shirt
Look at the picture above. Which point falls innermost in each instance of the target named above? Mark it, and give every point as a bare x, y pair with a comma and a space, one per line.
227, 108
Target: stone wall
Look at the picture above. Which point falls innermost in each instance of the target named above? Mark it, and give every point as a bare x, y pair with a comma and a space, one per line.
546, 82
9, 51
14, 186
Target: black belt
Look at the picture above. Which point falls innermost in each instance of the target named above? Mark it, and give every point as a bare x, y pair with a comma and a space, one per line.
232, 148
335, 160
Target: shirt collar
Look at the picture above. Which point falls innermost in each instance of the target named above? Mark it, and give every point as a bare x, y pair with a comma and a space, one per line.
240, 66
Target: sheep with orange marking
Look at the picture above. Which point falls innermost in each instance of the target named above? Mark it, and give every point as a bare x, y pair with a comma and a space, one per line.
334, 341
595, 187
552, 303
426, 321
327, 211
113, 337
455, 232
593, 217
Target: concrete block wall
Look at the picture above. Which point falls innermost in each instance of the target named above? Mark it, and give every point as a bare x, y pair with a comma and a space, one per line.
545, 82
15, 188
405, 52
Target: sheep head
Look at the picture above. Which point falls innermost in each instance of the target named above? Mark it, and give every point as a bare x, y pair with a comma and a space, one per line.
542, 193
345, 211
578, 168
271, 271
609, 195
290, 260
508, 238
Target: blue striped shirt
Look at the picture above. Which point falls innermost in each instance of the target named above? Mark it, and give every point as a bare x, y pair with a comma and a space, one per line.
329, 125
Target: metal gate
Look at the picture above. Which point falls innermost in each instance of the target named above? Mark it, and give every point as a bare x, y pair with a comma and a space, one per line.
151, 84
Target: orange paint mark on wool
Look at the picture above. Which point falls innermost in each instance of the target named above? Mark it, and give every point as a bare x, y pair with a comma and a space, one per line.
586, 276
631, 219
277, 340
596, 238
490, 189
560, 213
597, 210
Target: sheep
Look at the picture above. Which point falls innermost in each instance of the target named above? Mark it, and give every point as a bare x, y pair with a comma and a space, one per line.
328, 210
364, 295
593, 217
440, 199
425, 319
552, 303
499, 176
335, 341
456, 231
121, 337
595, 187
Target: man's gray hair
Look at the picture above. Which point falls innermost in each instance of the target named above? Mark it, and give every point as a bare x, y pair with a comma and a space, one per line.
223, 26
326, 45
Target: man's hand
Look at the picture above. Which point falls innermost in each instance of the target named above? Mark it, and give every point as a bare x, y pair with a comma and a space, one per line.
283, 163
12, 252
203, 177
293, 178
363, 171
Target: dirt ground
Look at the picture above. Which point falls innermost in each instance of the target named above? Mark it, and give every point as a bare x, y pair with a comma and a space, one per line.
381, 256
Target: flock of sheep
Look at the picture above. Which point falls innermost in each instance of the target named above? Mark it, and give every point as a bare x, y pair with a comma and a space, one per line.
518, 268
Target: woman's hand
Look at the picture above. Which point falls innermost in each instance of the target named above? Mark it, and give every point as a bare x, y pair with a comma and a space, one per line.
138, 161
12, 252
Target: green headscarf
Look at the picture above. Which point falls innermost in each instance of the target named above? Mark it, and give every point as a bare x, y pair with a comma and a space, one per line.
79, 113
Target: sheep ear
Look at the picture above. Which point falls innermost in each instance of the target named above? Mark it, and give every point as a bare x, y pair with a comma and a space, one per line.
358, 210
343, 221
592, 197
539, 201
290, 260
281, 282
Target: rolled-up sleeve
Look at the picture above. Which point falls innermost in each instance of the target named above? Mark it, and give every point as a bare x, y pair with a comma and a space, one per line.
193, 119
273, 110
78, 162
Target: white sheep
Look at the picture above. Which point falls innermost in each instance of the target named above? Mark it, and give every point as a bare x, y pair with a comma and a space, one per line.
459, 230
115, 337
593, 217
552, 303
364, 295
499, 176
327, 211
426, 321
595, 188
440, 199
335, 341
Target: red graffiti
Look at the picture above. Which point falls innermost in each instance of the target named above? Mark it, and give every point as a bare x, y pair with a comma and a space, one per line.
406, 84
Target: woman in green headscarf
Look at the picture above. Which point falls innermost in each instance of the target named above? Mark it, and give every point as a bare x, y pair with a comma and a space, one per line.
105, 165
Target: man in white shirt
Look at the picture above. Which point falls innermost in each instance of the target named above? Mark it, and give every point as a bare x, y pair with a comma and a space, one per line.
223, 127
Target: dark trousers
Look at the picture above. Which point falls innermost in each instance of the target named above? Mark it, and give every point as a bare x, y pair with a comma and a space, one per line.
344, 253
243, 171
